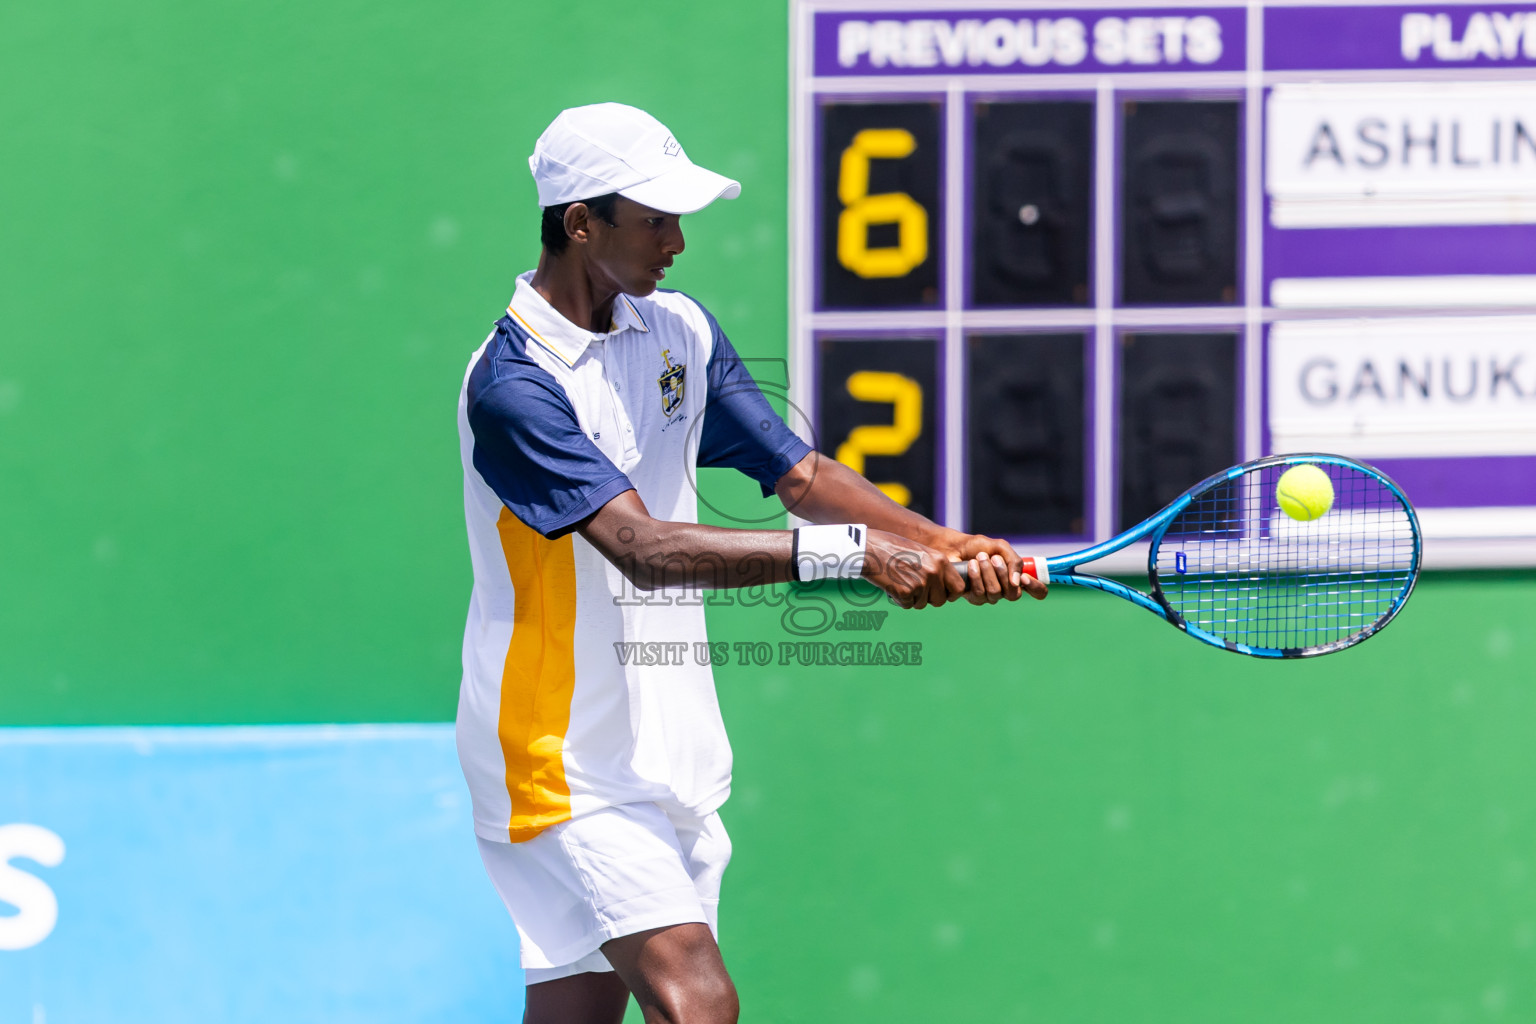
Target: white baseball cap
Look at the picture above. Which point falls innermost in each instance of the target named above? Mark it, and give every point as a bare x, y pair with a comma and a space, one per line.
609, 147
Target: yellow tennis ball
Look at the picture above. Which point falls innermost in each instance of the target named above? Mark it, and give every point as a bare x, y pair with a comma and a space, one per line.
1305, 492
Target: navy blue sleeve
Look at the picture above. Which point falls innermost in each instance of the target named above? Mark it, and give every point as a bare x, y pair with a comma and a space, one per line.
529, 446
741, 430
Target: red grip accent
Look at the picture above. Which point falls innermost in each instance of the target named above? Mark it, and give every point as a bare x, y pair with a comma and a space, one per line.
1028, 567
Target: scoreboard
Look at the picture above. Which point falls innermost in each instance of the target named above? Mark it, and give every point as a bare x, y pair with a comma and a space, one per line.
1051, 265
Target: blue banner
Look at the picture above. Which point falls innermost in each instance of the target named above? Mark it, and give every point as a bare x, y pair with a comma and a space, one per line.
233, 874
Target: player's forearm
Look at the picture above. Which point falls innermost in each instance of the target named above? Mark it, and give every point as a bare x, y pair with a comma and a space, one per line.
823, 490
654, 553
688, 554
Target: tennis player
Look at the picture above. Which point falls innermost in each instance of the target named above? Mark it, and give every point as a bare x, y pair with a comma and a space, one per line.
588, 732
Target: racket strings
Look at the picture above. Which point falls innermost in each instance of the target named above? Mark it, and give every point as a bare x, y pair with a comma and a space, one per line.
1236, 566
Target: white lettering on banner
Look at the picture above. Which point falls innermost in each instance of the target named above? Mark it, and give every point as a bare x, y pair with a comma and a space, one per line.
1157, 40
1495, 35
927, 43
37, 909
1030, 42
1342, 155
1401, 387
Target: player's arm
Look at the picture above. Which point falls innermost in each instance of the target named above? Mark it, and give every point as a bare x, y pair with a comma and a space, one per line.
823, 490
530, 449
655, 553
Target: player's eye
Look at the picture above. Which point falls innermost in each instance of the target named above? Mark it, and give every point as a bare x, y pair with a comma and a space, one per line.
655, 222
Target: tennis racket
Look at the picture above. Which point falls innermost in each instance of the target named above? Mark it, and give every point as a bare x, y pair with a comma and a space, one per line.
1227, 566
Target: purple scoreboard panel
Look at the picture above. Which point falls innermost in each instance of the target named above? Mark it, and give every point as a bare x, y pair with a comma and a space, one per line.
1053, 264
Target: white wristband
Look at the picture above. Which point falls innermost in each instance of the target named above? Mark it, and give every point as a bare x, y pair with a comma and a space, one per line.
829, 552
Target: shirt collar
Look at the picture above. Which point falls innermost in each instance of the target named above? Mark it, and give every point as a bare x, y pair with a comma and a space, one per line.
557, 334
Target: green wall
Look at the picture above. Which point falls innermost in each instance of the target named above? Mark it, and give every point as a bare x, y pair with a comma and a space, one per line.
1069, 813
247, 252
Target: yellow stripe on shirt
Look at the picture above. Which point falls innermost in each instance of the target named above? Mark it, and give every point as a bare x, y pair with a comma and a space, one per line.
539, 337
538, 678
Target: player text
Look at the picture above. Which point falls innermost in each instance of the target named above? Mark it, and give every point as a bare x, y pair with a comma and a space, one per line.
1326, 380
1491, 34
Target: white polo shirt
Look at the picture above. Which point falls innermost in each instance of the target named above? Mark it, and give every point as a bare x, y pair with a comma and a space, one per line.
556, 716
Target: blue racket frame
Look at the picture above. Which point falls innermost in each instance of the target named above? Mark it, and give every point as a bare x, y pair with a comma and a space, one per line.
1064, 568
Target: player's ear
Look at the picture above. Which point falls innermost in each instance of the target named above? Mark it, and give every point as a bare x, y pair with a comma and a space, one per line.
578, 220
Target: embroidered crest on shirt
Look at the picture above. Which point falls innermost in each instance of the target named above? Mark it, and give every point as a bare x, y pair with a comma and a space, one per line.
671, 382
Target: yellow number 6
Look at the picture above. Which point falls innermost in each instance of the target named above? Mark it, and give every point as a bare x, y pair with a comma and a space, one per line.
906, 397
863, 209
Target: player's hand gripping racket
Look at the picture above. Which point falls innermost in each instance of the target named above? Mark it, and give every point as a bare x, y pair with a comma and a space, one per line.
1230, 566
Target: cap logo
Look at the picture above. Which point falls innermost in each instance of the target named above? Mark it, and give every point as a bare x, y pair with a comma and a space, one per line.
670, 147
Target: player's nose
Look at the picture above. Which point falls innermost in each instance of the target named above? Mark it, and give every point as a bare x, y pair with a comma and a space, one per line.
673, 243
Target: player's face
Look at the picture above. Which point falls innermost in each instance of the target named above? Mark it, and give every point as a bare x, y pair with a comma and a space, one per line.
632, 255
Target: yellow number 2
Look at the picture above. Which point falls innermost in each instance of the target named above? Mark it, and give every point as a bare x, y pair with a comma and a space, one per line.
863, 210
905, 395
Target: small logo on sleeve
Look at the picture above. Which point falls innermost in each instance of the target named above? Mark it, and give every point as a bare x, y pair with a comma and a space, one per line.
671, 382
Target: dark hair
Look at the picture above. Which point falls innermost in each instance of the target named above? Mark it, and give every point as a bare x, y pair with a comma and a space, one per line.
552, 226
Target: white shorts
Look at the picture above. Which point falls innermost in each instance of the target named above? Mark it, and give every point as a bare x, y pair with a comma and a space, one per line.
613, 872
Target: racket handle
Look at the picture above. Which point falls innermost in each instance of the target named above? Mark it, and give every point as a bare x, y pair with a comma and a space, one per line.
1034, 565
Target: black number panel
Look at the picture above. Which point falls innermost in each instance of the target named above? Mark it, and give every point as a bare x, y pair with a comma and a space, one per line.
1179, 212
1178, 416
1032, 180
879, 205
877, 407
1025, 434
